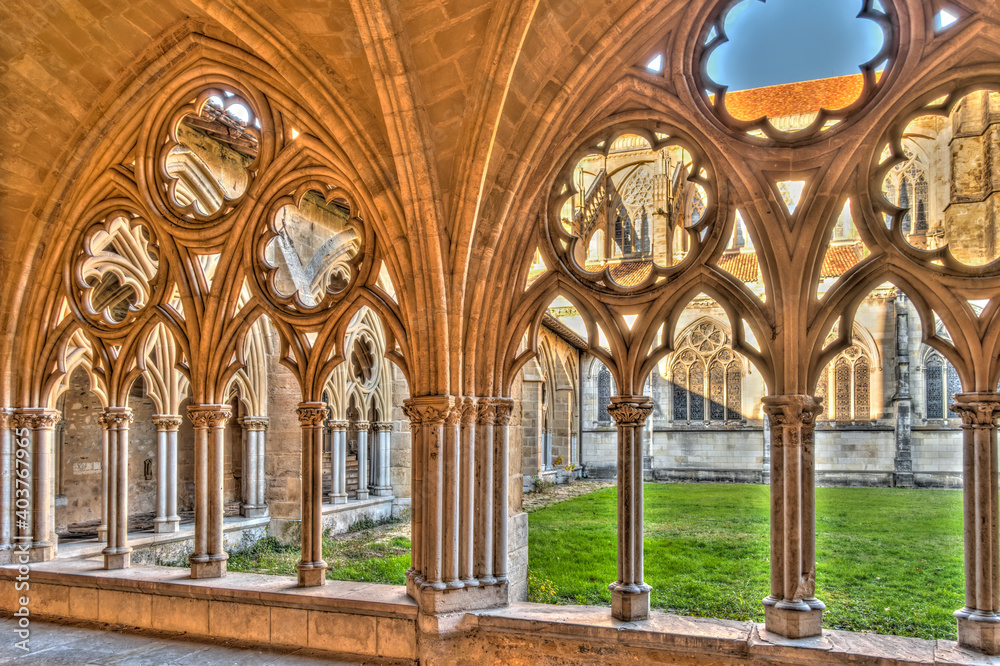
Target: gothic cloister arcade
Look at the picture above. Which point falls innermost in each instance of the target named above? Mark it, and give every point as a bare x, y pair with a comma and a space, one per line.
265, 260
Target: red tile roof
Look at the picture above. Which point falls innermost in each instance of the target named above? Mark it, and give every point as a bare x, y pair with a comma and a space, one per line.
741, 265
839, 259
631, 273
789, 99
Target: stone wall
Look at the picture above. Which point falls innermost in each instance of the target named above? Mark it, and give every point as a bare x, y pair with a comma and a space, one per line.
283, 460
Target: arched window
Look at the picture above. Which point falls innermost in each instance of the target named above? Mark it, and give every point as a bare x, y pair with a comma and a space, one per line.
706, 346
734, 391
862, 377
603, 395
717, 392
842, 386
906, 186
680, 384
934, 387
954, 385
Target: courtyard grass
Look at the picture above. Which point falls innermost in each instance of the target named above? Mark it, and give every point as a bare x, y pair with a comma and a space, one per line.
888, 560
369, 552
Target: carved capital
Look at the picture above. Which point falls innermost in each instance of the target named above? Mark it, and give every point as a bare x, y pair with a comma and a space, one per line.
118, 418
209, 416
36, 418
6, 418
630, 410
312, 413
503, 410
429, 410
382, 427
168, 422
255, 422
485, 412
338, 425
468, 410
792, 410
977, 409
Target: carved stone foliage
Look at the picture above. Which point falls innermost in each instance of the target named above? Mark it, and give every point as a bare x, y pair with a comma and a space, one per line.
628, 413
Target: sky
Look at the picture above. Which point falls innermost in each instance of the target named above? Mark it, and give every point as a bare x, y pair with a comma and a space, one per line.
784, 41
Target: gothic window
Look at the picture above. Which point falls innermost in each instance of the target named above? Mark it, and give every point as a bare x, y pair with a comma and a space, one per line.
697, 392
716, 390
680, 385
842, 386
906, 186
734, 391
707, 377
603, 395
698, 204
934, 387
862, 377
921, 197
954, 385
904, 202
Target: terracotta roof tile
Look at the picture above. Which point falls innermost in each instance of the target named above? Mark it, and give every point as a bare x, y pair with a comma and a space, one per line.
839, 259
741, 265
790, 99
631, 273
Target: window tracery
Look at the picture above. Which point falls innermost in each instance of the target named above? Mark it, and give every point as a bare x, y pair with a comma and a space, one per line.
706, 346
850, 373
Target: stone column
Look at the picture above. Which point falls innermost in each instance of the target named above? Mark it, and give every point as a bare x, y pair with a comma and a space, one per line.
765, 473
209, 557
166, 519
503, 408
117, 553
792, 609
338, 468
467, 493
7, 476
902, 476
102, 529
362, 492
450, 490
254, 504
381, 432
312, 568
41, 421
484, 524
629, 594
979, 621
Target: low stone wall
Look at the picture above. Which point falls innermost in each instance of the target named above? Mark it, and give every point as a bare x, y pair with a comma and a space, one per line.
380, 624
336, 517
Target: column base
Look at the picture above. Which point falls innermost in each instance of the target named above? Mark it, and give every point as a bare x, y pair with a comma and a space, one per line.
42, 552
979, 630
102, 534
166, 525
118, 560
903, 480
338, 499
361, 495
382, 491
205, 568
434, 601
629, 603
312, 574
798, 620
253, 511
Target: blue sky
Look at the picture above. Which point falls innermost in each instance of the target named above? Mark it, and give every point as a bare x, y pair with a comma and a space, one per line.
783, 41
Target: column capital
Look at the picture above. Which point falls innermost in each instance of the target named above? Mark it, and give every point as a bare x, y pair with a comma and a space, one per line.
630, 410
254, 422
312, 413
205, 416
36, 418
168, 422
118, 417
468, 409
977, 409
503, 409
791, 410
337, 425
485, 412
6, 418
382, 427
429, 409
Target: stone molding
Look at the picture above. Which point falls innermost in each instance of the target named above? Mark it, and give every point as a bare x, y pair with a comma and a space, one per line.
312, 414
792, 410
468, 410
209, 416
630, 410
254, 422
978, 410
167, 422
36, 418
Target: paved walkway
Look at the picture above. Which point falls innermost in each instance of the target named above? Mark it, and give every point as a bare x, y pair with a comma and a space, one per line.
89, 643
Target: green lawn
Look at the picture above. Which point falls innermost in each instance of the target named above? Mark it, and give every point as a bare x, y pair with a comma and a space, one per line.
888, 561
367, 553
